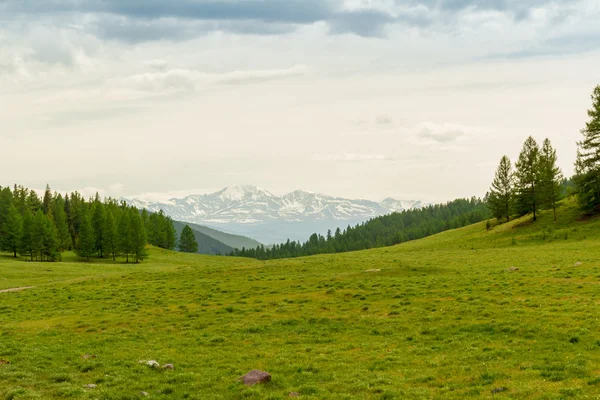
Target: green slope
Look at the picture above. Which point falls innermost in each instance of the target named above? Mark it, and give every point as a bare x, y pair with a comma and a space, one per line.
233, 241
437, 318
206, 244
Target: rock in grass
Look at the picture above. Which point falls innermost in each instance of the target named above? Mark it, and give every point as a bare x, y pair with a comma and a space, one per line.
90, 386
513, 269
373, 270
294, 394
255, 376
144, 394
168, 366
88, 356
4, 362
578, 264
152, 364
499, 390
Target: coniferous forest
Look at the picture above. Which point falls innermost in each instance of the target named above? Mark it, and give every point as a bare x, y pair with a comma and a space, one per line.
380, 231
43, 228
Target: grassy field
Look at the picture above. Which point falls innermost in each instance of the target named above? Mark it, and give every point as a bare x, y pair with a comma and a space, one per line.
443, 318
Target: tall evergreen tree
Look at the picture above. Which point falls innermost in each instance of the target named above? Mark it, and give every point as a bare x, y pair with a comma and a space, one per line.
587, 165
26, 246
124, 235
110, 235
98, 220
500, 197
47, 201
11, 231
171, 233
63, 236
527, 174
551, 177
49, 250
187, 241
138, 236
86, 239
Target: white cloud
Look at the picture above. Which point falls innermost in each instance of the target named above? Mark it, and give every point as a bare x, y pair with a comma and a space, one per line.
185, 79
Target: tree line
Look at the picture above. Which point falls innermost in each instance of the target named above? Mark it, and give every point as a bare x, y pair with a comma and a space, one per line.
381, 231
537, 183
42, 228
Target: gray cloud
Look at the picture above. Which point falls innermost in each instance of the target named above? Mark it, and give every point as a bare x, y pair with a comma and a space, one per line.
134, 21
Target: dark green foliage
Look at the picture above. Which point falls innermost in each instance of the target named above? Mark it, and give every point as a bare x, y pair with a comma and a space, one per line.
550, 177
160, 231
187, 241
137, 236
500, 197
63, 236
207, 244
381, 231
86, 240
110, 235
124, 241
527, 179
11, 230
26, 247
587, 165
98, 220
61, 223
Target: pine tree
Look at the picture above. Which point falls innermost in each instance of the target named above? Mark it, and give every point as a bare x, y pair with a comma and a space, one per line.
47, 201
500, 198
187, 241
587, 165
49, 242
171, 233
11, 231
527, 176
124, 235
550, 177
98, 220
38, 233
86, 239
138, 236
63, 237
26, 247
110, 235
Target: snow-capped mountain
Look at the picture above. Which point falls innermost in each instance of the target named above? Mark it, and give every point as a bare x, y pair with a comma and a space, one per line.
255, 212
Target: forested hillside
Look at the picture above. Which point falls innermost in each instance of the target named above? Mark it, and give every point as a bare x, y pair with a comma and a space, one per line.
381, 231
206, 243
43, 228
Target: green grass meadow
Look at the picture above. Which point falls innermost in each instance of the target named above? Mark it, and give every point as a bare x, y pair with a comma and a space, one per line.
444, 318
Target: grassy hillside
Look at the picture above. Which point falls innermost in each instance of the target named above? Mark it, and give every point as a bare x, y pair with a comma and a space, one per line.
233, 241
438, 318
206, 243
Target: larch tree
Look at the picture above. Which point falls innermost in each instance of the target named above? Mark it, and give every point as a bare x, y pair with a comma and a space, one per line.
500, 197
98, 217
527, 174
551, 177
11, 231
124, 235
187, 241
110, 235
587, 165
86, 239
138, 236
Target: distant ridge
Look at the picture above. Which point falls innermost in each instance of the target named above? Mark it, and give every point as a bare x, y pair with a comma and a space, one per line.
257, 213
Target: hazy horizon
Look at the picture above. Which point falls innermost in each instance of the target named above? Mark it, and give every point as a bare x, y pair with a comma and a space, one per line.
413, 101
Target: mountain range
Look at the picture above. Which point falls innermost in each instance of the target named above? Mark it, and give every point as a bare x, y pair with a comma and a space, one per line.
257, 213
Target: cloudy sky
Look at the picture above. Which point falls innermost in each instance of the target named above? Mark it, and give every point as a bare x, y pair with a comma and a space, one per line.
356, 98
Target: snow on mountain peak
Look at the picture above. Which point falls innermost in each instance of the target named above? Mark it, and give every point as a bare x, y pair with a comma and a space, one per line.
242, 192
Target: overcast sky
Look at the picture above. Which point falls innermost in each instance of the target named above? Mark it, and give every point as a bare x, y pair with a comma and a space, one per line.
355, 98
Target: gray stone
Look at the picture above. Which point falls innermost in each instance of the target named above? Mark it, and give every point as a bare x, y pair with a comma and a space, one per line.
255, 376
168, 366
90, 386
